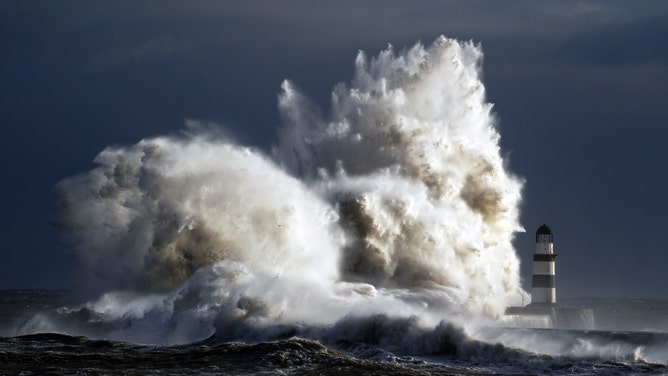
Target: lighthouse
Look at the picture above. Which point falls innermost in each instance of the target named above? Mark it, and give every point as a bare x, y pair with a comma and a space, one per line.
543, 311
543, 288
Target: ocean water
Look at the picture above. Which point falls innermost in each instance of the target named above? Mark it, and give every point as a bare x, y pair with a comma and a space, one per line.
376, 237
631, 338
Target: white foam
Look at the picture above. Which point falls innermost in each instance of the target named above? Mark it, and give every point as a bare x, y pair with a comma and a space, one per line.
397, 203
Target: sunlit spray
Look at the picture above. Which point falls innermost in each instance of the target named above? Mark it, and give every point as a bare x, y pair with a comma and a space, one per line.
397, 204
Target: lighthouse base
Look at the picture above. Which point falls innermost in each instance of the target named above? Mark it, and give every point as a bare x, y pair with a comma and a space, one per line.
550, 316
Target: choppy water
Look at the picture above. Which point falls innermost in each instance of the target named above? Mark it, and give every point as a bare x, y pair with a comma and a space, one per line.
450, 350
374, 240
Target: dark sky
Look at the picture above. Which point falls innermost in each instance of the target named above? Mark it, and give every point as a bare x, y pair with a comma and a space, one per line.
580, 92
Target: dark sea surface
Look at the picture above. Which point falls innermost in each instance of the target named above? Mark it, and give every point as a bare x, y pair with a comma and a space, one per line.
639, 325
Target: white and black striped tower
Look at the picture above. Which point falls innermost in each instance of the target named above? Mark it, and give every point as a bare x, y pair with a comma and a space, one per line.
543, 288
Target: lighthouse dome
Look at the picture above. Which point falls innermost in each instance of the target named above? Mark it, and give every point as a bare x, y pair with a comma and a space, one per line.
544, 230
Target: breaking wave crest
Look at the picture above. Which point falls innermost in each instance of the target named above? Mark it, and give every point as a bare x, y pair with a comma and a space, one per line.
397, 205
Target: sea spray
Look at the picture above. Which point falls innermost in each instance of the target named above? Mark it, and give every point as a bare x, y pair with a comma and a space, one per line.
398, 203
410, 158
